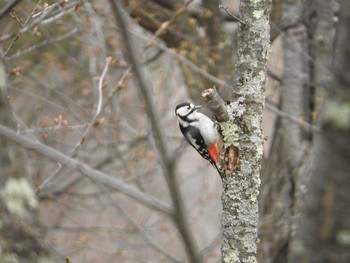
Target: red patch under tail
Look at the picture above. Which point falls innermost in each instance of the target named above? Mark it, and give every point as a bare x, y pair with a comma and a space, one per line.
214, 152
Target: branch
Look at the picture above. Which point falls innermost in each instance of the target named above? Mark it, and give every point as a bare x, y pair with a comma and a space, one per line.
94, 122
216, 104
143, 233
7, 8
95, 175
165, 158
41, 19
235, 17
52, 129
303, 124
165, 25
100, 87
21, 25
42, 44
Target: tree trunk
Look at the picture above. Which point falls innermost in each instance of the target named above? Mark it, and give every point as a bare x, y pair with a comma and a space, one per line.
20, 234
324, 231
307, 57
243, 138
283, 173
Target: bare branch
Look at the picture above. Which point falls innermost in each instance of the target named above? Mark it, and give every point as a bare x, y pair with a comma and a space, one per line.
42, 44
216, 104
18, 34
166, 24
41, 19
164, 154
143, 234
52, 128
98, 113
274, 75
193, 66
45, 9
229, 13
303, 124
92, 123
100, 86
9, 6
95, 175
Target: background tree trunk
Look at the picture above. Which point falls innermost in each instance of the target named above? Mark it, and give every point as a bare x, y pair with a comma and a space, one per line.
307, 45
21, 238
283, 172
323, 233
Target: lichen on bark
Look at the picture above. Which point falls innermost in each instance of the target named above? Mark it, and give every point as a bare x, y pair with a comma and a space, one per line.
17, 194
241, 186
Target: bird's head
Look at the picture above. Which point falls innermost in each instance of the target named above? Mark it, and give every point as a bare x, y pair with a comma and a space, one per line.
185, 109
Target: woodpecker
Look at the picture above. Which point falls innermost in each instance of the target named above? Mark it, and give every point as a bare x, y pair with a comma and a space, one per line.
199, 131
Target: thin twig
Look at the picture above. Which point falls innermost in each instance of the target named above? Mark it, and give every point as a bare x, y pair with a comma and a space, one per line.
58, 16
42, 44
21, 25
143, 234
305, 125
14, 16
45, 9
89, 126
52, 128
100, 86
65, 10
229, 13
274, 75
9, 6
186, 61
167, 23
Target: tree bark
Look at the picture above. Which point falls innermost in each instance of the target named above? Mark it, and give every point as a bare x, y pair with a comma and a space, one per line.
307, 56
323, 234
21, 237
319, 18
242, 136
285, 173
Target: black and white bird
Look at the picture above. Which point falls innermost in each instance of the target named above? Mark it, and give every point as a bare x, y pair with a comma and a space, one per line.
199, 131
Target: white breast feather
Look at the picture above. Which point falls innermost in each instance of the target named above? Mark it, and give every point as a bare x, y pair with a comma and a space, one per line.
205, 125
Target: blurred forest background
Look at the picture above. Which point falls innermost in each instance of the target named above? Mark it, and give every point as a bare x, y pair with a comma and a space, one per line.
65, 83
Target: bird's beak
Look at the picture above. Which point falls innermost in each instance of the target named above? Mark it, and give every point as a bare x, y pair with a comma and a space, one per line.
197, 107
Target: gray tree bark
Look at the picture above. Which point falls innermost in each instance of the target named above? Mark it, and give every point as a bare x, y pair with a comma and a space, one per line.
21, 238
323, 234
242, 136
307, 44
284, 167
